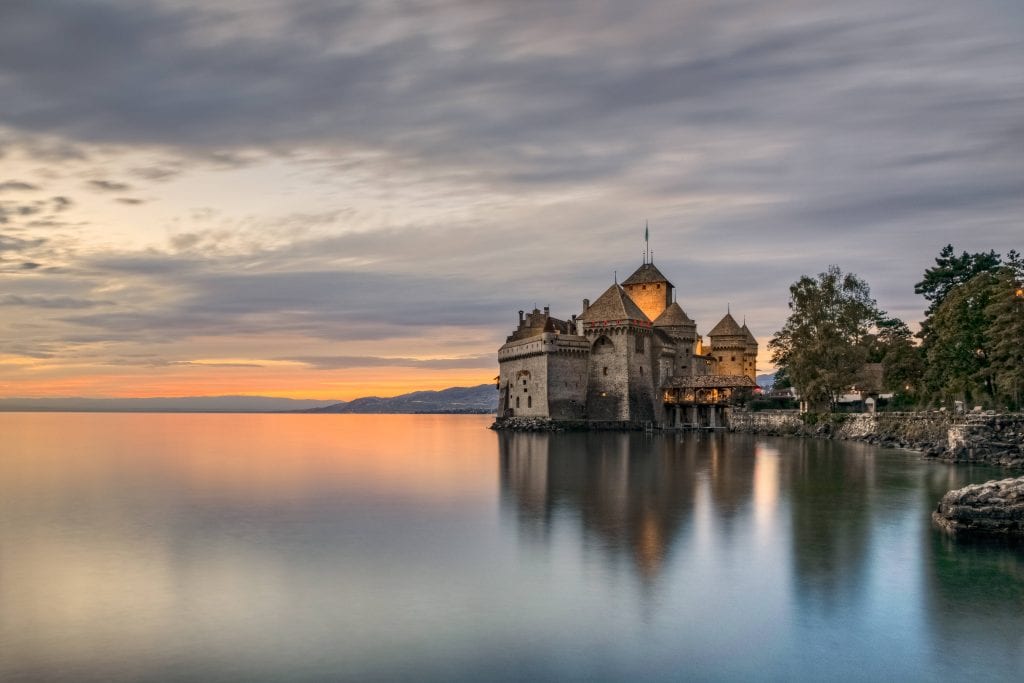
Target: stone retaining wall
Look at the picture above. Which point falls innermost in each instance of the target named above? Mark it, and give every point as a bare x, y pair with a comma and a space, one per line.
996, 439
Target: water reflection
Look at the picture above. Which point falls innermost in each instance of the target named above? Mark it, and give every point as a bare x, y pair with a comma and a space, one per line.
629, 492
276, 547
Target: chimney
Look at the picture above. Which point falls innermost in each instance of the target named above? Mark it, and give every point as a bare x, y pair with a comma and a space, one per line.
586, 305
547, 310
520, 317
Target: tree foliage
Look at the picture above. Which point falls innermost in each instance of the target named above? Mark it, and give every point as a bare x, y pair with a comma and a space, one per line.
825, 341
967, 355
950, 271
1005, 331
957, 346
893, 346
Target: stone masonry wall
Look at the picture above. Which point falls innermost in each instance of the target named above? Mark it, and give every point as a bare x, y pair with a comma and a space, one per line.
994, 439
567, 385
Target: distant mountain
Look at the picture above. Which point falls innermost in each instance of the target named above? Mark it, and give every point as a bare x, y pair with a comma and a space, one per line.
767, 381
478, 399
187, 404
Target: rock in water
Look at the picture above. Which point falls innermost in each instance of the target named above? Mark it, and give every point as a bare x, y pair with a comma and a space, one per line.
992, 508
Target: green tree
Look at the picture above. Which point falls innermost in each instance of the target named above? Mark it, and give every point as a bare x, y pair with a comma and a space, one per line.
950, 271
957, 348
825, 341
1005, 331
893, 346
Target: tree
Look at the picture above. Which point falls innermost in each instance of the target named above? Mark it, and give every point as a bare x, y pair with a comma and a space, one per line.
953, 333
1005, 331
951, 271
893, 346
824, 344
957, 348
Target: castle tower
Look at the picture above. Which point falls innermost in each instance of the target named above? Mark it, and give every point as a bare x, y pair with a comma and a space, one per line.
649, 289
674, 322
620, 385
729, 346
750, 357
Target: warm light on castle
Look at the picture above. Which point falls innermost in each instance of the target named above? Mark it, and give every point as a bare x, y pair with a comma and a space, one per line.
632, 357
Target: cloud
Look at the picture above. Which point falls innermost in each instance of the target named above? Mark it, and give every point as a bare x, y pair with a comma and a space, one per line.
352, 171
108, 186
338, 362
46, 302
11, 185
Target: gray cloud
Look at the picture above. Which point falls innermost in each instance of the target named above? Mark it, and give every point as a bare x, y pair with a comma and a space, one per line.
337, 362
763, 141
108, 186
11, 185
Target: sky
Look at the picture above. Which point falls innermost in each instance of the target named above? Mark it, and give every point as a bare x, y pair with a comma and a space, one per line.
329, 199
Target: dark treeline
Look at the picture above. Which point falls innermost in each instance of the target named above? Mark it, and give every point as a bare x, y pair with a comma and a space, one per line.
970, 346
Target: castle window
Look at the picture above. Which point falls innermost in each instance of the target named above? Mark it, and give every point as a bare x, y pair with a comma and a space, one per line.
525, 390
641, 371
517, 401
719, 359
529, 401
643, 286
605, 371
734, 359
524, 382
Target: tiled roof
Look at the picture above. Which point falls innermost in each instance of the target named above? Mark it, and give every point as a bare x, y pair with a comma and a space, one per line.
614, 304
727, 326
645, 274
709, 382
673, 315
748, 333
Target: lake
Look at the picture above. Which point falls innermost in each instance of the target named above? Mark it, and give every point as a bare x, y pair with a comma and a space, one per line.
152, 547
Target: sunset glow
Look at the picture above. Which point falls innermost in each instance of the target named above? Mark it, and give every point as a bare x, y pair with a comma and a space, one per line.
319, 202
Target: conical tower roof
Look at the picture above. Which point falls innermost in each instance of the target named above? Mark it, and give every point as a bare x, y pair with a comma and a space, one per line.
749, 335
673, 315
646, 274
726, 327
614, 304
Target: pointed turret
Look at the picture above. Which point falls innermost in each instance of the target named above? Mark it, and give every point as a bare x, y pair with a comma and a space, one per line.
729, 346
727, 327
750, 354
674, 322
614, 304
651, 290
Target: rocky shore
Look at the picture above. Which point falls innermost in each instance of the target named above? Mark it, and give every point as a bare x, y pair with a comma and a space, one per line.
542, 424
995, 508
994, 439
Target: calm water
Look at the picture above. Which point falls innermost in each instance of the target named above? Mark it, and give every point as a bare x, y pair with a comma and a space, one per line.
337, 547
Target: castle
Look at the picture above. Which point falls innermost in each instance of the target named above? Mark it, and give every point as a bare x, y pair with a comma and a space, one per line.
632, 358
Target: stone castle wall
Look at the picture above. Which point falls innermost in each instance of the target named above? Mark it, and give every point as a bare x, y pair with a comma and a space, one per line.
567, 385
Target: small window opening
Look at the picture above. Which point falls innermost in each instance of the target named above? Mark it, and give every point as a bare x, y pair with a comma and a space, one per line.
517, 401
605, 370
529, 401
